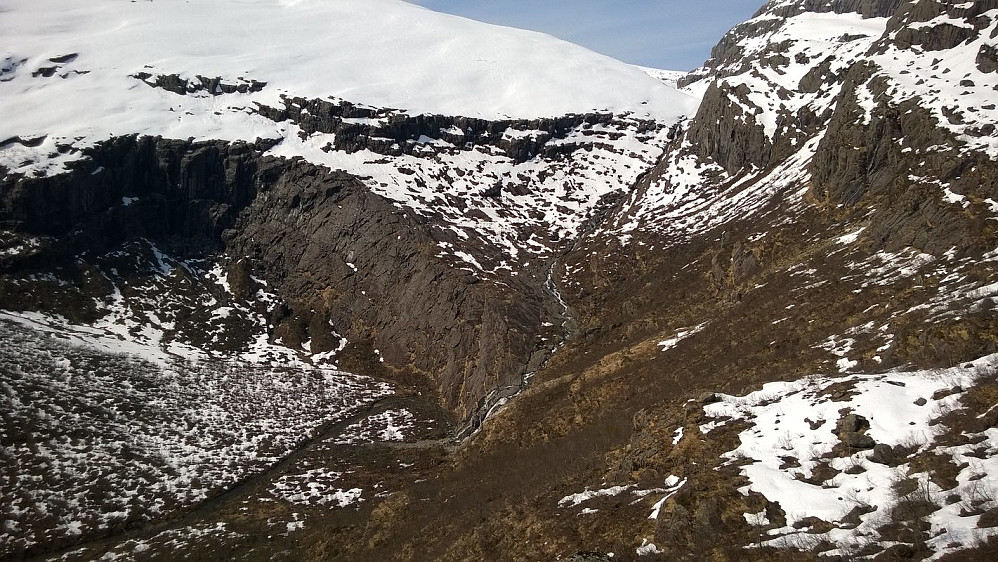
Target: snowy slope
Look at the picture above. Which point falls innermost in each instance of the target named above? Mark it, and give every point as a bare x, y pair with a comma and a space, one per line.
506, 197
68, 69
503, 141
693, 194
779, 79
152, 438
907, 414
946, 68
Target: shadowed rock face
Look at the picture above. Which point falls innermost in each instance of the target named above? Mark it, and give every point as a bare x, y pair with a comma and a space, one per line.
188, 191
717, 134
346, 262
348, 258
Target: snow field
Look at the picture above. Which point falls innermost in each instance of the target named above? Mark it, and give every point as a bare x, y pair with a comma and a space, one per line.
554, 197
67, 70
98, 440
797, 421
315, 487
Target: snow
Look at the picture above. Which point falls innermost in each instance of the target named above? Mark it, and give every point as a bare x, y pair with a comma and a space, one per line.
775, 89
757, 519
851, 237
315, 487
866, 102
144, 320
672, 486
797, 420
949, 79
668, 77
182, 543
845, 364
681, 335
648, 548
885, 268
453, 66
692, 196
448, 184
573, 500
840, 347
391, 425
688, 196
153, 437
418, 61
954, 198
23, 246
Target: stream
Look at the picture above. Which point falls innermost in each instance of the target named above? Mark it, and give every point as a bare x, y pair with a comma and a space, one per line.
500, 396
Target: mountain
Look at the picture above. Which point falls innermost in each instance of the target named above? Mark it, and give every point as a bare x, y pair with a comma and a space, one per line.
357, 280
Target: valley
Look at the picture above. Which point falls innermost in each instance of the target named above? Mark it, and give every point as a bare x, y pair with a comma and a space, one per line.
329, 311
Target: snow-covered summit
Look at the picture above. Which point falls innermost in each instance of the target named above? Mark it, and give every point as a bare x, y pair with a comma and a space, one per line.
72, 70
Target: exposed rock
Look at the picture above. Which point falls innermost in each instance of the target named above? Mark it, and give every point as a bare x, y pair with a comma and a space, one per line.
240, 279
857, 441
718, 133
851, 430
385, 131
898, 552
727, 58
851, 423
346, 262
935, 38
988, 519
943, 393
708, 398
214, 86
345, 256
987, 59
884, 454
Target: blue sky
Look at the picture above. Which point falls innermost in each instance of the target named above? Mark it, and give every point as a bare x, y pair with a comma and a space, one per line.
669, 34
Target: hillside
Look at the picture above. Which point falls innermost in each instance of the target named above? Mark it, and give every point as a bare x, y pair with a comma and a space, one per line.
356, 280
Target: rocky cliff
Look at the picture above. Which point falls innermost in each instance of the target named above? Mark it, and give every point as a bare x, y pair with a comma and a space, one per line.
345, 262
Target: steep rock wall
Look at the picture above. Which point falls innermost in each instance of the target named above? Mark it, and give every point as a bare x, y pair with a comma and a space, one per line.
345, 261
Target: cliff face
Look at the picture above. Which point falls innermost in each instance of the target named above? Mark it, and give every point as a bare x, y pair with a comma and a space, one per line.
429, 251
772, 82
345, 262
348, 258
